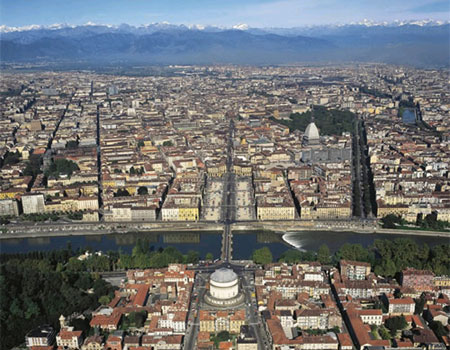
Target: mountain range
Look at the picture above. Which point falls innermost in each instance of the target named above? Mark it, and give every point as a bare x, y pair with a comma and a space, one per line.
422, 44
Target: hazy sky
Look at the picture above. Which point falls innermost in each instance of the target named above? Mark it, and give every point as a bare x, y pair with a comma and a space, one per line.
255, 13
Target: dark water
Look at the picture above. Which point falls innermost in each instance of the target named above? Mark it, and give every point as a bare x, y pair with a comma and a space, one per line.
409, 116
334, 240
244, 242
202, 242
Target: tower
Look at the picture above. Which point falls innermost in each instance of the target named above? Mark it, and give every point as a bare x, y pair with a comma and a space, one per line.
311, 136
62, 322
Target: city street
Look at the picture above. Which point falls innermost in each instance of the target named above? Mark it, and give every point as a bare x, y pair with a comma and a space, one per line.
253, 315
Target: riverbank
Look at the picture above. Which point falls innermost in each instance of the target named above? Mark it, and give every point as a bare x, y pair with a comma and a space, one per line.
283, 229
100, 229
280, 228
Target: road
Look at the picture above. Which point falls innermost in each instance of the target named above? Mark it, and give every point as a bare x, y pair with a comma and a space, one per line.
357, 172
253, 316
193, 325
228, 199
99, 165
227, 218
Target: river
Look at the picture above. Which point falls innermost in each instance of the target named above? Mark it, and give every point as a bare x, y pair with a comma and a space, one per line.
244, 242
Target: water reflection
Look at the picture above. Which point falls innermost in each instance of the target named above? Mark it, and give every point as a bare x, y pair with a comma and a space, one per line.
204, 242
181, 238
244, 242
312, 240
39, 241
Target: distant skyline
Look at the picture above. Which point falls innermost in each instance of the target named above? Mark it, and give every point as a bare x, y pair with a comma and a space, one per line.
228, 13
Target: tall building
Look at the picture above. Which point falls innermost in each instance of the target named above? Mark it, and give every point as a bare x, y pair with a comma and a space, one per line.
311, 136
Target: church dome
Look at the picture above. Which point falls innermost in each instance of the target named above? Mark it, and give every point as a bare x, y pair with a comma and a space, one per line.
311, 132
223, 276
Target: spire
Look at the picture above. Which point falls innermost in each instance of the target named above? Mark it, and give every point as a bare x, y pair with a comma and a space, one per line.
312, 113
62, 321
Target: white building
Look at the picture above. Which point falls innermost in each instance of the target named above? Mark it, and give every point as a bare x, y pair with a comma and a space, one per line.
224, 284
224, 288
40, 336
33, 203
9, 207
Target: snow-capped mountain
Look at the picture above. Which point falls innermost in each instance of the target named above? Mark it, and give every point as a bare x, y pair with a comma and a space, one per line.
241, 26
421, 43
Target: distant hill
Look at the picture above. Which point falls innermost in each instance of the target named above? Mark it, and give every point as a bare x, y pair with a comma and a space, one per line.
411, 44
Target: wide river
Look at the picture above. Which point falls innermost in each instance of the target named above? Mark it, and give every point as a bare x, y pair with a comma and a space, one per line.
243, 242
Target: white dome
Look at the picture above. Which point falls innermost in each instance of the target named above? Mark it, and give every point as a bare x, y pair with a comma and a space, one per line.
311, 132
223, 275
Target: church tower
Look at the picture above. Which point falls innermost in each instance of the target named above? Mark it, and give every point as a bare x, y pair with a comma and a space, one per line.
62, 322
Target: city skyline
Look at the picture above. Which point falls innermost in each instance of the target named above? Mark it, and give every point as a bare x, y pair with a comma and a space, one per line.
268, 13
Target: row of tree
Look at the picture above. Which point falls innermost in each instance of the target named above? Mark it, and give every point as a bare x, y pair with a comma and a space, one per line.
387, 257
429, 222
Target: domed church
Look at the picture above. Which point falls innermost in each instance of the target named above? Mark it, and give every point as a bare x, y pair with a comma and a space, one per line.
224, 289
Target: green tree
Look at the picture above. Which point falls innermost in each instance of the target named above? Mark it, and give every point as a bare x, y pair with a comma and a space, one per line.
387, 269
138, 318
40, 287
141, 261
84, 282
396, 323
354, 252
75, 265
420, 304
12, 158
174, 255
390, 221
33, 167
167, 143
104, 300
121, 192
60, 167
209, 257
75, 216
384, 333
125, 261
221, 337
262, 256
438, 329
140, 248
81, 324
192, 257
142, 191
31, 309
324, 255
292, 256
398, 294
